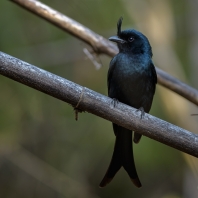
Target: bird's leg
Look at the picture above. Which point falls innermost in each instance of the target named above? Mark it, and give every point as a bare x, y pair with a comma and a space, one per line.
142, 112
137, 136
114, 102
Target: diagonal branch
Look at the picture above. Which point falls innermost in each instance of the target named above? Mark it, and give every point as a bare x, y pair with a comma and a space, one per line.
98, 104
101, 45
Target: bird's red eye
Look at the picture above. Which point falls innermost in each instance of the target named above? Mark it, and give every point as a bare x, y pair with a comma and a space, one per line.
130, 39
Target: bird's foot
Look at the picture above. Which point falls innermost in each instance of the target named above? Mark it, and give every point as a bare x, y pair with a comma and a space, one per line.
113, 103
141, 109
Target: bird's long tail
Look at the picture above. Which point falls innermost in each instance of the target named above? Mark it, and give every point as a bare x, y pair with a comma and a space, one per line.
122, 156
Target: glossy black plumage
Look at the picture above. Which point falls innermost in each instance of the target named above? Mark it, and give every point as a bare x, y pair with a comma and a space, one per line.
131, 80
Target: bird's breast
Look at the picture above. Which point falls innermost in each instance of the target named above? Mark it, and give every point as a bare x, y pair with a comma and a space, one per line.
132, 67
130, 80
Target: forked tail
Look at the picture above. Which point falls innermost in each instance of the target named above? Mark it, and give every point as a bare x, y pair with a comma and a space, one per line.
122, 156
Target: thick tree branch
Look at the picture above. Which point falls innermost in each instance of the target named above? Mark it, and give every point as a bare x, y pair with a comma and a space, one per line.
98, 104
102, 45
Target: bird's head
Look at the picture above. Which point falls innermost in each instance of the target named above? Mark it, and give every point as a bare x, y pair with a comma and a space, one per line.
131, 41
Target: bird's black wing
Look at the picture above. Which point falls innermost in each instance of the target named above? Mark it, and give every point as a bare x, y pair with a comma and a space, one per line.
148, 97
150, 88
154, 74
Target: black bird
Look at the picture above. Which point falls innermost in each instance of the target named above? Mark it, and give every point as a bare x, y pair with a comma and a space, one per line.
131, 80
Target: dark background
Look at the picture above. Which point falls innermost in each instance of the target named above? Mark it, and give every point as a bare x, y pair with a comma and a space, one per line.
44, 152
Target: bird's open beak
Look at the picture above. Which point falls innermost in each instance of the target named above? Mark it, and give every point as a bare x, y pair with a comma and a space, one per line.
116, 39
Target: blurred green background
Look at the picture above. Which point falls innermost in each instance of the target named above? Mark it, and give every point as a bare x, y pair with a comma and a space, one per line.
44, 152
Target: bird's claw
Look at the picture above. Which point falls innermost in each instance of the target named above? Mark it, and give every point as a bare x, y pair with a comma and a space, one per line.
141, 109
113, 103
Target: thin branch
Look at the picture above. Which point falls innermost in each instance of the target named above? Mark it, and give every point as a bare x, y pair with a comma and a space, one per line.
98, 104
101, 45
98, 43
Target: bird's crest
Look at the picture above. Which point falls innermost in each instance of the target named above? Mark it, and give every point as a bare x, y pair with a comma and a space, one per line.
119, 24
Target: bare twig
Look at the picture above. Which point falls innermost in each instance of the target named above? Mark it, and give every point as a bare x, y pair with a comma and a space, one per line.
101, 45
92, 57
98, 104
